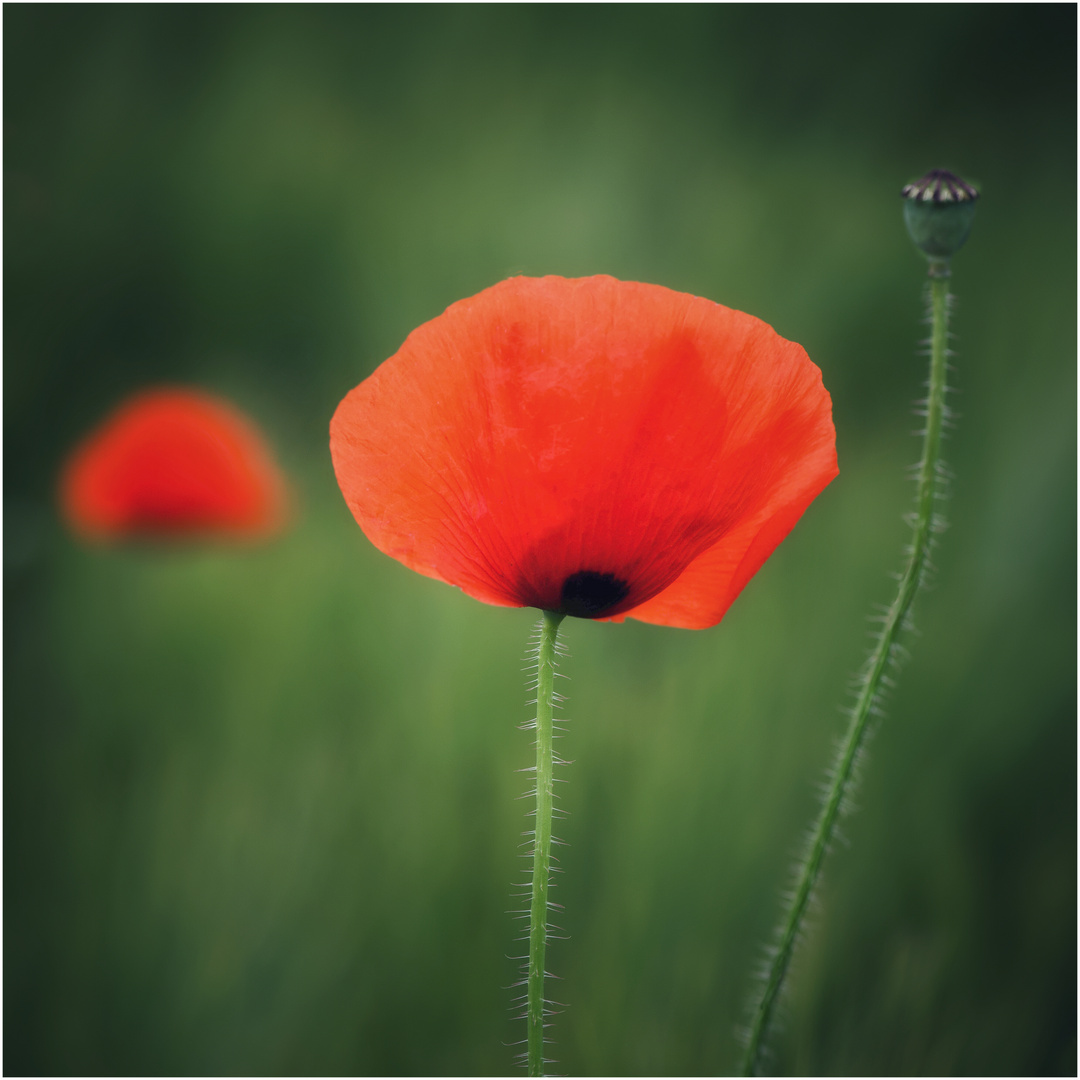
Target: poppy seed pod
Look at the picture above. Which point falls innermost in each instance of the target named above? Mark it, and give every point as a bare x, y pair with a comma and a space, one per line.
938, 212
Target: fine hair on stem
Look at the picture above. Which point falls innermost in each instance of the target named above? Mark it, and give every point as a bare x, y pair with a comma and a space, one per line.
873, 682
536, 1008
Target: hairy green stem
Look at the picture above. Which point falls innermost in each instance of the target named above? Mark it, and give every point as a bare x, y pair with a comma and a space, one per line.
545, 783
924, 525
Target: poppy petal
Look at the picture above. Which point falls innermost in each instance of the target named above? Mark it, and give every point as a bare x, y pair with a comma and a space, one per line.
703, 592
173, 462
578, 444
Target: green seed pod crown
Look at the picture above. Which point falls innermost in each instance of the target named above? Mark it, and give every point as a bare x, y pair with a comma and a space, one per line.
938, 211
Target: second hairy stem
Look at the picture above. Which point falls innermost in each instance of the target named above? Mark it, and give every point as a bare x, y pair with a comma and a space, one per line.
545, 783
924, 525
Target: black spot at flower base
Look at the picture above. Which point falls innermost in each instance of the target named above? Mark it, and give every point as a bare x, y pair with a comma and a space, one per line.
590, 595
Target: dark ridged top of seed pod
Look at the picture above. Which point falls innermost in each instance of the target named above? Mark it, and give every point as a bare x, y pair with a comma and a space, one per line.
940, 186
938, 212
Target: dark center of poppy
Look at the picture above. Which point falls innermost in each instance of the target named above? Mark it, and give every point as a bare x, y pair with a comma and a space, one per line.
589, 594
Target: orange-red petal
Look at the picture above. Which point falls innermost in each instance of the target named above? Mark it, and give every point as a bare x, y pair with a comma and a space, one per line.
173, 463
587, 445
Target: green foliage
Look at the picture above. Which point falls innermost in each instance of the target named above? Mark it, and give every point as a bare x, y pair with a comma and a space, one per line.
260, 806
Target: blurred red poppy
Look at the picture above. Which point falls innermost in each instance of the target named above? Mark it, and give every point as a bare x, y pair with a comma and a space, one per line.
173, 463
593, 447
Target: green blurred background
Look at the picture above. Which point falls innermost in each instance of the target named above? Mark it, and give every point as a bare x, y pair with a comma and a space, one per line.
260, 806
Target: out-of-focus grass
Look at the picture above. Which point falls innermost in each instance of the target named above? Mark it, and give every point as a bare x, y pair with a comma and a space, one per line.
260, 805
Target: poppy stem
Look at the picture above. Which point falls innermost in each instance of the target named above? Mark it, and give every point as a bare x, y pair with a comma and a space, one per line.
545, 783
886, 654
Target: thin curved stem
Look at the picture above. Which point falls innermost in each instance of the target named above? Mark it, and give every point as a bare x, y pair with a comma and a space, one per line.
538, 926
925, 524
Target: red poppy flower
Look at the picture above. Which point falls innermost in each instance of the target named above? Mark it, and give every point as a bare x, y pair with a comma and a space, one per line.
172, 462
593, 447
